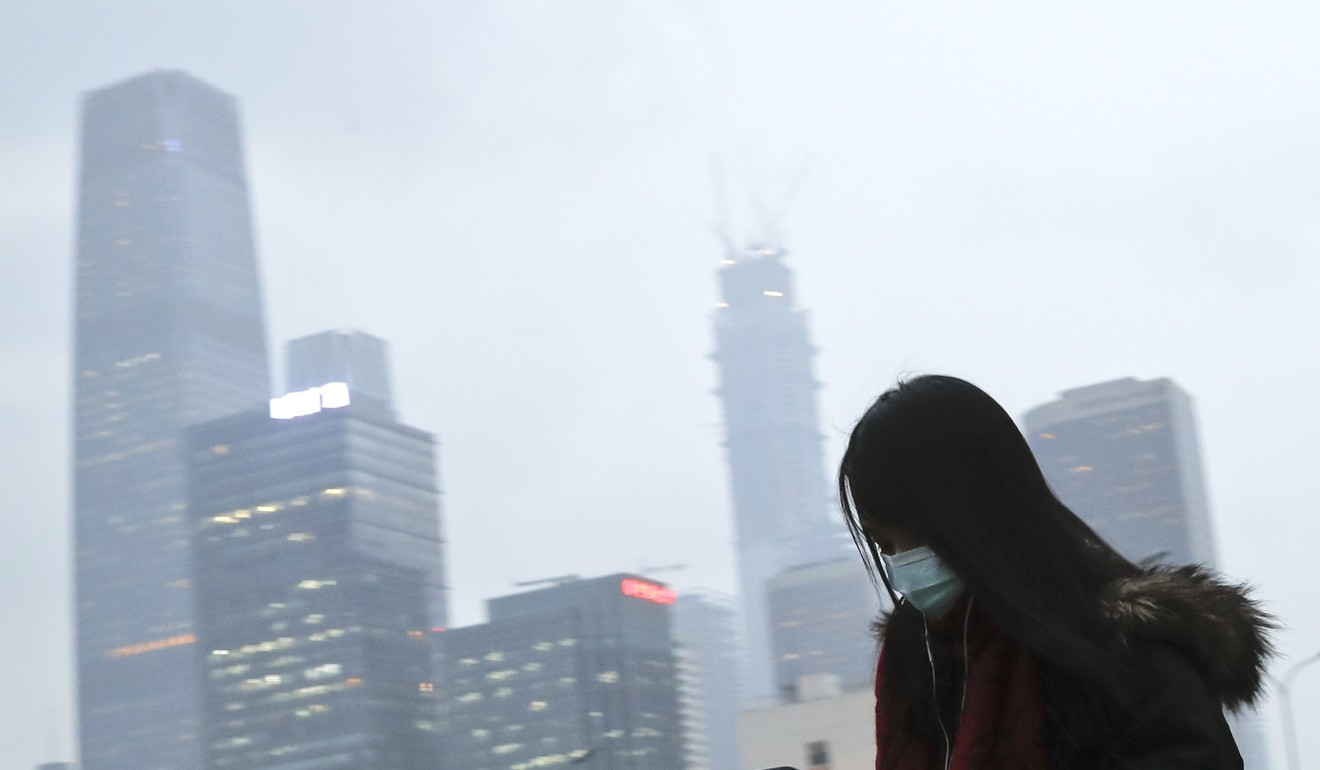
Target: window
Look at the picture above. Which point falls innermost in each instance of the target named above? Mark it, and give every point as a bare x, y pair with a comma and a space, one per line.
818, 755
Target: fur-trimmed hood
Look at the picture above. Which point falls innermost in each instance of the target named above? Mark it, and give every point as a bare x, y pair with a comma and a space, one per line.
1214, 623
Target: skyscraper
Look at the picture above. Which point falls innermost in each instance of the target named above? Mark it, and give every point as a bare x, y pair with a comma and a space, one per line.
168, 333
1125, 456
319, 584
773, 439
579, 672
341, 355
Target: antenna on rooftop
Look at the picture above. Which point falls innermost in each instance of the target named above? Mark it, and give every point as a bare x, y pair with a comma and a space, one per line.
651, 570
558, 581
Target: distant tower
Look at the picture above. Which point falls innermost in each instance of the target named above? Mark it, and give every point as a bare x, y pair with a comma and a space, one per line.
348, 356
708, 644
320, 586
773, 439
578, 673
1124, 455
168, 332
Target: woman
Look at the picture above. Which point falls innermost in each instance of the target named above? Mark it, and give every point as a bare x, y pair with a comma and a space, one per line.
1019, 638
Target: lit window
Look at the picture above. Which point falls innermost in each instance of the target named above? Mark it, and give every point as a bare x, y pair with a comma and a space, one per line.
220, 449
770, 293
152, 646
537, 705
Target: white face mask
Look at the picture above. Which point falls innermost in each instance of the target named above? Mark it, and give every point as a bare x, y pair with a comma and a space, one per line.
923, 580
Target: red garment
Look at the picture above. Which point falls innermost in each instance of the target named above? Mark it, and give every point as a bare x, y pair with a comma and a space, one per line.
1002, 724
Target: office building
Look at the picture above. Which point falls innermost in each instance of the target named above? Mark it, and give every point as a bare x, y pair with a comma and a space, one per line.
576, 672
782, 506
1125, 456
342, 355
319, 584
821, 618
168, 332
708, 648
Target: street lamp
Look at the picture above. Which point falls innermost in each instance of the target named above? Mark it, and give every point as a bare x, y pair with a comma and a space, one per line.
1289, 735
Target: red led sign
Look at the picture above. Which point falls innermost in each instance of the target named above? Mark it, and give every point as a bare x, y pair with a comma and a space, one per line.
640, 589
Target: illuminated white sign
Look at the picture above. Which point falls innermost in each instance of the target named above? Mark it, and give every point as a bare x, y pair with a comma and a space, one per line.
332, 395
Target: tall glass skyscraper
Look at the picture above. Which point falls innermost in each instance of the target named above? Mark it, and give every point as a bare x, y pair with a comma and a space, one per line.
773, 439
168, 333
319, 584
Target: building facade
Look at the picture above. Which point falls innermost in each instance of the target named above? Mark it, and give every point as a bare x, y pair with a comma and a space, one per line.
772, 438
580, 672
821, 618
168, 332
320, 586
1125, 456
708, 646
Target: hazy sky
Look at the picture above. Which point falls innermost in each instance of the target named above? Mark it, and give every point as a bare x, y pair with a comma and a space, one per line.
517, 193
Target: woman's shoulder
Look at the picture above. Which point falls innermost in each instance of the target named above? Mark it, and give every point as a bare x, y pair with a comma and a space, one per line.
1189, 625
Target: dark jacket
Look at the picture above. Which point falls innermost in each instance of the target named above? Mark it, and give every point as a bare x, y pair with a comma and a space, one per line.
1190, 647
1196, 646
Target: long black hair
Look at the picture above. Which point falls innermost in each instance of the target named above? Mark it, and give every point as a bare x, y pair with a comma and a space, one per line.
938, 458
